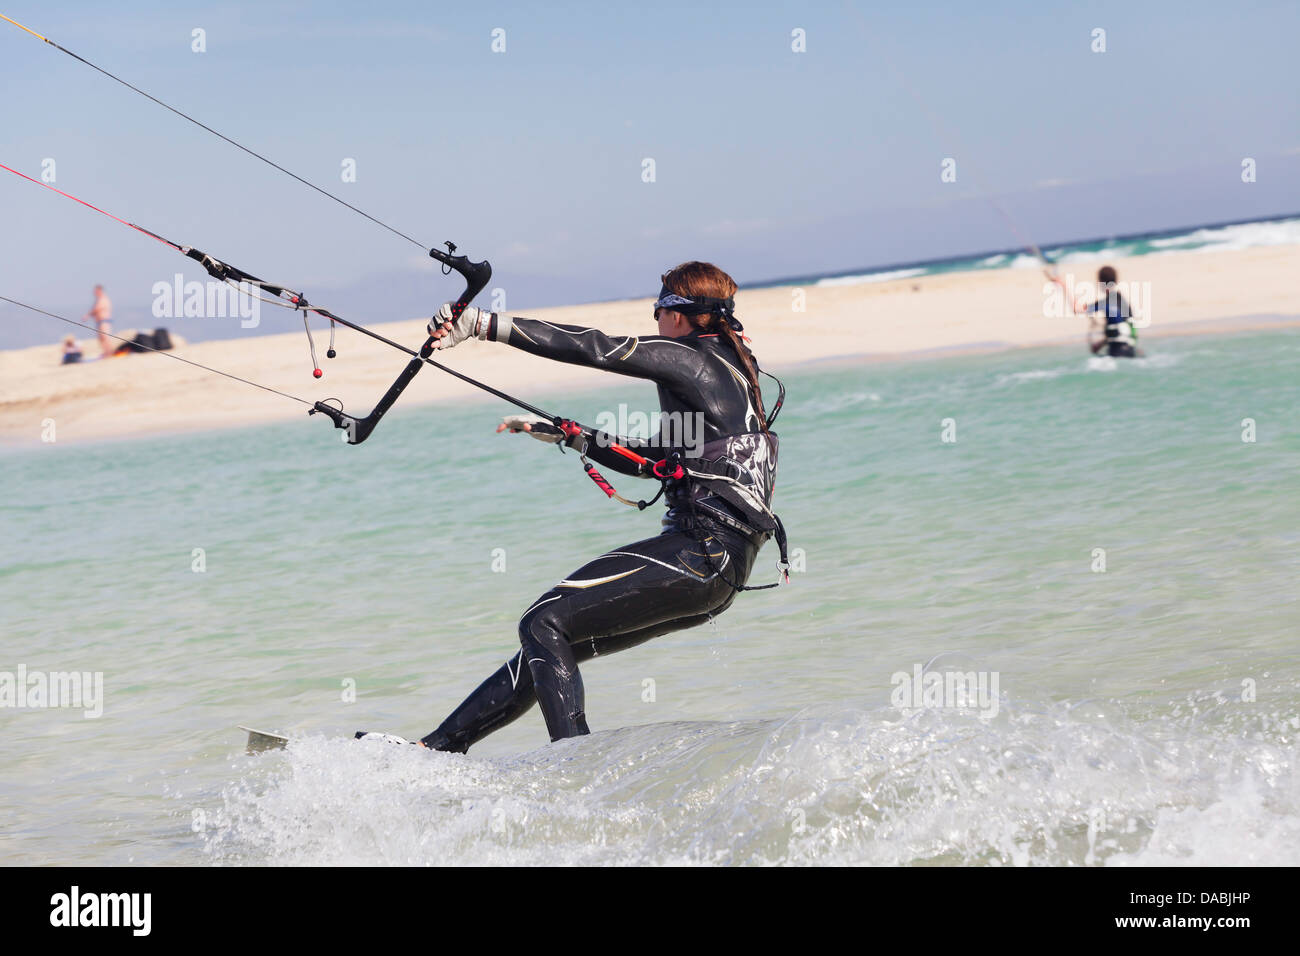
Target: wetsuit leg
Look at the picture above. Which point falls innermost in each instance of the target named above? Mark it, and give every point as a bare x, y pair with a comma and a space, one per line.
619, 600
508, 694
631, 591
504, 697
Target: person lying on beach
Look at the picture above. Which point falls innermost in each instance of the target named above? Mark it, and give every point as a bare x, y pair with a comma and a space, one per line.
71, 350
1120, 339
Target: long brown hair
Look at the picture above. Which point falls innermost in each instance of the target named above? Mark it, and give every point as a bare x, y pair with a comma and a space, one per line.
704, 278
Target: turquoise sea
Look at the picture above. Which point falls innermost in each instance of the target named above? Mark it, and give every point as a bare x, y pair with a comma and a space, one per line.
1103, 543
1213, 237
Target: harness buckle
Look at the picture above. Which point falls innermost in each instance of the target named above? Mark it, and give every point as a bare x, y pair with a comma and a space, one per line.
674, 463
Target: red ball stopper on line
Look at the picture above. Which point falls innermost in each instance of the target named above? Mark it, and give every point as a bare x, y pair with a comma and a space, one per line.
318, 373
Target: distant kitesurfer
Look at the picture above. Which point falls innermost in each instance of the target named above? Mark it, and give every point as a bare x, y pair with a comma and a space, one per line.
1120, 338
102, 313
718, 511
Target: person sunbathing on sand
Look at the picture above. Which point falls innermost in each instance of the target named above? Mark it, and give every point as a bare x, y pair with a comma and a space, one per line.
71, 350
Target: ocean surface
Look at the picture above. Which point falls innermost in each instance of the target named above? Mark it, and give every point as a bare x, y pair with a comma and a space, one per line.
1100, 547
1215, 237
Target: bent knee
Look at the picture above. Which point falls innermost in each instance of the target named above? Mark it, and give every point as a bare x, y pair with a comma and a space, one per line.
542, 625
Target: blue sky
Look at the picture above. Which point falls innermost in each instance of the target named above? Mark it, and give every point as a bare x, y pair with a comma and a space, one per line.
770, 163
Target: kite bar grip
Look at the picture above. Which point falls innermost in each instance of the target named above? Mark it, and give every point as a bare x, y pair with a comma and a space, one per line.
476, 275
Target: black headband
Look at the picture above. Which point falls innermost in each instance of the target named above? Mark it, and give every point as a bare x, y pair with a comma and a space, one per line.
699, 305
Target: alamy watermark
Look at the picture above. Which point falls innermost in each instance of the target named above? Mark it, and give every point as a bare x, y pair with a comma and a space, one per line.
38, 690
679, 430
207, 300
127, 910
961, 690
1073, 297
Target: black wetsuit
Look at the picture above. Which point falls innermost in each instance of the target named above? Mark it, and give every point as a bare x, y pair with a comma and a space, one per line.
1121, 342
677, 579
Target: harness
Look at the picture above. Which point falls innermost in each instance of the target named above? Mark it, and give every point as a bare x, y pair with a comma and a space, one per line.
1121, 330
678, 472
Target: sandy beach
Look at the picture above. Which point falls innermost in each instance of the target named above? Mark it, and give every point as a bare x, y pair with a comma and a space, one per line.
1189, 293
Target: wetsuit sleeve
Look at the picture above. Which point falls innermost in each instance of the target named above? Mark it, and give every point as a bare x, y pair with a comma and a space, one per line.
660, 359
598, 450
655, 357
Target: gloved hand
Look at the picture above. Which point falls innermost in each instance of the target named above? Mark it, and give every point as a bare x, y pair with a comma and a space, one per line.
450, 332
541, 428
534, 425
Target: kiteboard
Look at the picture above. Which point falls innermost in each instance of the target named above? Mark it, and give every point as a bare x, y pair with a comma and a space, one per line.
261, 740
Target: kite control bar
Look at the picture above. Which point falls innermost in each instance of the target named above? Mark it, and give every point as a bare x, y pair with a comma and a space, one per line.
476, 275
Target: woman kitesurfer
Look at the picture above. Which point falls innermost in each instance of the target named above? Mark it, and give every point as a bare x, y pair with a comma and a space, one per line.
718, 494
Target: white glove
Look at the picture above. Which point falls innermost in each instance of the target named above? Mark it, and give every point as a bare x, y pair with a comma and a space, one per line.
540, 428
451, 332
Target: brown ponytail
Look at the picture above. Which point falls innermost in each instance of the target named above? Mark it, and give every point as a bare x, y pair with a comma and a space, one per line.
705, 279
